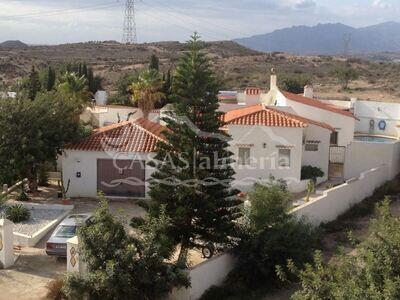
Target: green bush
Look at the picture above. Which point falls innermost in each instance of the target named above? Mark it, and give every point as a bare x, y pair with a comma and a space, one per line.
310, 172
269, 236
23, 196
43, 177
17, 213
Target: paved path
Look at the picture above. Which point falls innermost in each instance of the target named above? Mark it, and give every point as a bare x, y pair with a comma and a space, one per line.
28, 278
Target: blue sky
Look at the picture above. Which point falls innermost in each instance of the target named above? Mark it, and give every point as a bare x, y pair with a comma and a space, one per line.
50, 21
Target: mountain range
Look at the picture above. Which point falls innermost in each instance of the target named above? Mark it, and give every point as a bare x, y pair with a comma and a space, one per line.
329, 39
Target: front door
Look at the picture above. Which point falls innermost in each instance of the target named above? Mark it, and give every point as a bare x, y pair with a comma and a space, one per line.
337, 156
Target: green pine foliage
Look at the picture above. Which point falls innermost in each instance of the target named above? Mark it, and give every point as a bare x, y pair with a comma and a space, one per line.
121, 266
193, 174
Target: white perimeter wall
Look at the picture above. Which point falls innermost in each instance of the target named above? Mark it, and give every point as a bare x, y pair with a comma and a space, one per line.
362, 156
377, 111
343, 124
334, 202
204, 275
331, 204
264, 161
86, 163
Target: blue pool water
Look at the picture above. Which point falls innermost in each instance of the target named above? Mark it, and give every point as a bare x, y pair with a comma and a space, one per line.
374, 139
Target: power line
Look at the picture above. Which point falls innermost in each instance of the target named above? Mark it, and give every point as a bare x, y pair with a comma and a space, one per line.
60, 11
210, 25
129, 33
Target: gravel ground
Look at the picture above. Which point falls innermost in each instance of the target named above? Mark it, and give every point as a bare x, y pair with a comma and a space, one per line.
39, 218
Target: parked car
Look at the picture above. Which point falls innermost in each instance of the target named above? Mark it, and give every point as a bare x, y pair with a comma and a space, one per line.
57, 243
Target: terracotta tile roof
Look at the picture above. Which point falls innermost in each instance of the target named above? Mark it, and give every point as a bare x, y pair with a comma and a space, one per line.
318, 104
267, 116
130, 136
260, 115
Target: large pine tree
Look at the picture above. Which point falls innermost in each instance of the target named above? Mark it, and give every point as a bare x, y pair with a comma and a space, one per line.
193, 174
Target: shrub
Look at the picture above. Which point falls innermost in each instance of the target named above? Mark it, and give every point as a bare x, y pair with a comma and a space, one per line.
310, 172
22, 196
269, 237
294, 83
17, 213
124, 267
43, 177
372, 272
54, 290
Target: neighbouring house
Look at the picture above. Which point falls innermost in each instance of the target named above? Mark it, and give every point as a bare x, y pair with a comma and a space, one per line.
112, 160
274, 133
270, 142
104, 115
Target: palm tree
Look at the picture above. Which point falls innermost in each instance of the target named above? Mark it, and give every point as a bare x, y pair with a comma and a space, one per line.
146, 91
77, 87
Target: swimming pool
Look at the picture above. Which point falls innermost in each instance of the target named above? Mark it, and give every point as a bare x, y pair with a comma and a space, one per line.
375, 139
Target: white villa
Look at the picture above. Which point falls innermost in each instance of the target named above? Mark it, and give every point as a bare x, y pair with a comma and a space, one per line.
274, 133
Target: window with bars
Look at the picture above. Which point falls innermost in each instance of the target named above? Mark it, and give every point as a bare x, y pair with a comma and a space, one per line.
311, 147
284, 158
244, 156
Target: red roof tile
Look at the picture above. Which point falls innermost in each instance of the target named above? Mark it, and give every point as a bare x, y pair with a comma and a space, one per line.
130, 136
318, 104
267, 116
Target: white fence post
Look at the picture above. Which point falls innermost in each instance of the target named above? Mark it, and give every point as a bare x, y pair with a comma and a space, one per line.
7, 258
74, 261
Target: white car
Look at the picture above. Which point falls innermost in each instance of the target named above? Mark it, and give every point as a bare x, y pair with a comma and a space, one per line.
57, 243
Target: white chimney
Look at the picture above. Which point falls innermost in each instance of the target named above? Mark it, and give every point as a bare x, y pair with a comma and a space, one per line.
309, 91
273, 85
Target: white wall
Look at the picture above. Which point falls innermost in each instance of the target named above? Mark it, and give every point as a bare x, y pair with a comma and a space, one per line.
343, 124
318, 158
362, 156
377, 111
264, 161
341, 103
203, 276
334, 202
86, 163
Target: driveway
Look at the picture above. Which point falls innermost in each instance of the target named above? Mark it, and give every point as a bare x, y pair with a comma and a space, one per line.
28, 278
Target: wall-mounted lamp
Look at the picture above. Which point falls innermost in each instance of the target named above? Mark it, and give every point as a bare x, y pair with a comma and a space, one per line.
265, 145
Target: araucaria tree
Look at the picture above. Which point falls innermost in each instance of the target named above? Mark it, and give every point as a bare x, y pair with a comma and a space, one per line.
193, 174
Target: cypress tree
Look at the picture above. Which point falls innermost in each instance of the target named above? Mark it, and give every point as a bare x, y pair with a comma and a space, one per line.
193, 174
51, 79
154, 63
34, 84
85, 70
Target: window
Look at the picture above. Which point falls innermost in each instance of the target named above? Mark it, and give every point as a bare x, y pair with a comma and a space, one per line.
284, 158
311, 147
334, 138
244, 156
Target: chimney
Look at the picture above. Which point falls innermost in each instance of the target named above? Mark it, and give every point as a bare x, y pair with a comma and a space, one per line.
273, 85
309, 91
